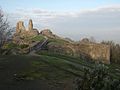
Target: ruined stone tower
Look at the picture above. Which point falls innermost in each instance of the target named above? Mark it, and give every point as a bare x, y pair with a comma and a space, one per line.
21, 32
30, 26
20, 27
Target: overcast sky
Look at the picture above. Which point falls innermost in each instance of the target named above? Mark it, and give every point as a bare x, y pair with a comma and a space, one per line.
75, 19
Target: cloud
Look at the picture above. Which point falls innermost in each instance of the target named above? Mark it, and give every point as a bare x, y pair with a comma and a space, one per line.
102, 22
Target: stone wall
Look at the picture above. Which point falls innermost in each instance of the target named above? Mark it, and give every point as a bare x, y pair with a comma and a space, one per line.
96, 51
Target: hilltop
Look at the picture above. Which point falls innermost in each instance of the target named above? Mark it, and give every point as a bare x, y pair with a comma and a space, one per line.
45, 72
44, 61
26, 40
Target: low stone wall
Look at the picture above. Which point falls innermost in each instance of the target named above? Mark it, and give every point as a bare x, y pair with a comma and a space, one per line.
96, 51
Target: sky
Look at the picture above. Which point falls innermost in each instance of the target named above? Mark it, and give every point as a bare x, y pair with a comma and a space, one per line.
75, 19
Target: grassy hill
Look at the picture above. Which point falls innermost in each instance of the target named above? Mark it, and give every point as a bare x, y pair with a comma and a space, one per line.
44, 71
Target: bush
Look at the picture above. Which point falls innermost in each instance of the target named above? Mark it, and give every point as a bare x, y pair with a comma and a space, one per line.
23, 46
10, 45
97, 79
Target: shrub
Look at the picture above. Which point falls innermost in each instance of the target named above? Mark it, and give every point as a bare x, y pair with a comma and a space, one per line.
97, 79
23, 46
10, 45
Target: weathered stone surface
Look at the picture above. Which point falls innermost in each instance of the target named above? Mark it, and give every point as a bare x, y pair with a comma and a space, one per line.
48, 33
95, 51
20, 27
84, 48
33, 32
85, 40
22, 33
60, 49
30, 26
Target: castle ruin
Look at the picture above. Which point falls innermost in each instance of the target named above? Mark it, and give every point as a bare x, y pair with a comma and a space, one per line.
95, 51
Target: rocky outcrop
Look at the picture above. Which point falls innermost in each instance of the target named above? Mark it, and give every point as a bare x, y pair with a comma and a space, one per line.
85, 40
49, 34
46, 32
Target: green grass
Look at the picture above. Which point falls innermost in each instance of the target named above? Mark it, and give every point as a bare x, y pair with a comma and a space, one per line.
113, 68
43, 70
49, 66
38, 38
13, 46
67, 57
32, 67
10, 45
56, 41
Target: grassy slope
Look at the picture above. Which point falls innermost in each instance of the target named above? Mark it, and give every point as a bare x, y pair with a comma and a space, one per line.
81, 64
56, 41
38, 38
30, 68
52, 68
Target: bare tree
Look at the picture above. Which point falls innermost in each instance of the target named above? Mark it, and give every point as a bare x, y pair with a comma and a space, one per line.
5, 30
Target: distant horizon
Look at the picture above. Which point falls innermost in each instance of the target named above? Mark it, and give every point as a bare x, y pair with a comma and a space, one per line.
74, 19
